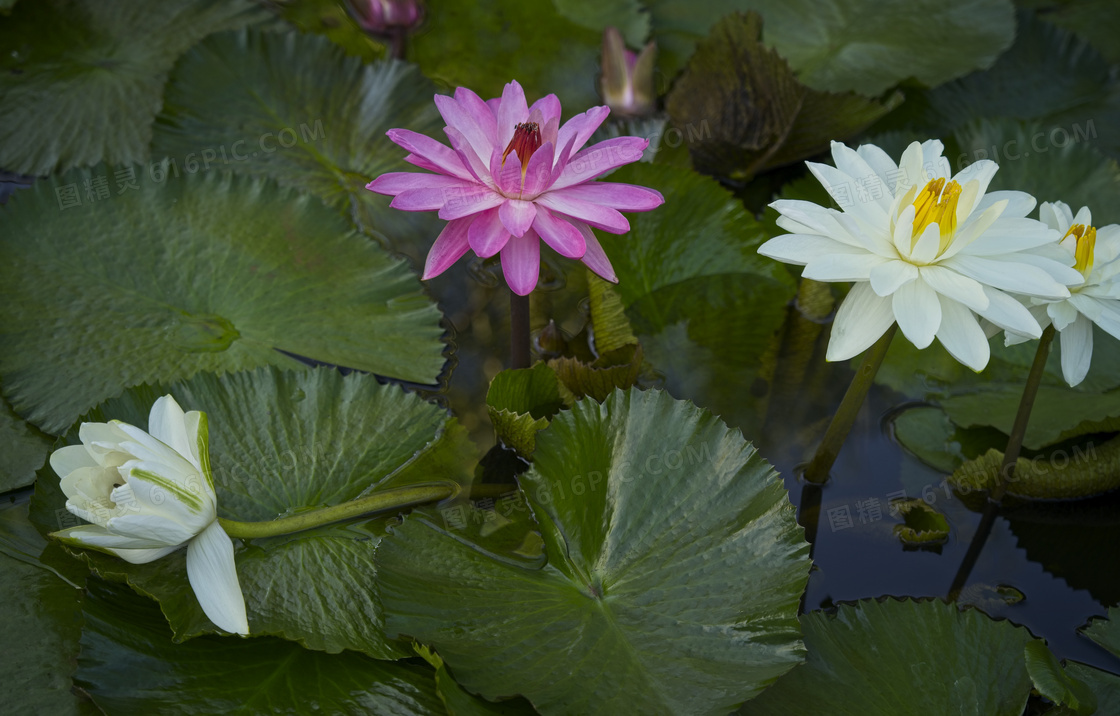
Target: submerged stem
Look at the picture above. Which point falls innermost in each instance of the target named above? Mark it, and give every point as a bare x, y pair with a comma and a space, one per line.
845, 417
379, 501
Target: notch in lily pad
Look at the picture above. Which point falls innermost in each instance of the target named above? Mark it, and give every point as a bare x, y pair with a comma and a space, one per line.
923, 527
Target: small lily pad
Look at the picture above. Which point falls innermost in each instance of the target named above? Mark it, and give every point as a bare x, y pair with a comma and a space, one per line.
922, 525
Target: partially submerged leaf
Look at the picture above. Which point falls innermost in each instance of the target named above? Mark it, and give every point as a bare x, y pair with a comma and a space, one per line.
520, 404
922, 526
1064, 475
1055, 683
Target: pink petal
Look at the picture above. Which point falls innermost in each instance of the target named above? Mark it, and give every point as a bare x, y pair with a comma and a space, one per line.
564, 238
623, 197
469, 200
467, 156
549, 105
448, 248
507, 173
595, 258
582, 126
480, 112
435, 156
487, 235
599, 216
599, 159
512, 112
517, 216
494, 104
538, 175
464, 122
562, 158
422, 199
394, 183
521, 263
550, 130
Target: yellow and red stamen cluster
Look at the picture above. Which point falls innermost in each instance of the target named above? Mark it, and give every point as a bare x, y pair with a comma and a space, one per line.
526, 140
1085, 240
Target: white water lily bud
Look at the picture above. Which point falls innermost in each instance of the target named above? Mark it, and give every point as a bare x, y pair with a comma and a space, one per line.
147, 494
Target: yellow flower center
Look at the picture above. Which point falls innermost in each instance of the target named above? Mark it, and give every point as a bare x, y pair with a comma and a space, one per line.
1085, 240
937, 204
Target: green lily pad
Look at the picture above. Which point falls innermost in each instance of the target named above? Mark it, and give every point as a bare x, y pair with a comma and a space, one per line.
674, 571
705, 306
1055, 683
294, 108
212, 675
485, 44
281, 443
597, 15
904, 657
1105, 686
80, 82
1083, 471
520, 404
756, 112
1098, 21
205, 272
922, 526
859, 45
43, 623
23, 449
330, 19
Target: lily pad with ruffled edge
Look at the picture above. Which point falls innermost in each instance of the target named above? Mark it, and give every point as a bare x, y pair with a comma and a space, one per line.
675, 567
294, 108
860, 45
282, 443
1104, 685
23, 449
81, 82
705, 306
211, 675
904, 657
520, 404
204, 272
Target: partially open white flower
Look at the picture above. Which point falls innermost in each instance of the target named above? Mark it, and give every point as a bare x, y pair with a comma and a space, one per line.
925, 248
146, 495
1095, 253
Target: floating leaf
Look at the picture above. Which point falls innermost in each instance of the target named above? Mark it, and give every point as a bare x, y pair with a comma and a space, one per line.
756, 113
1096, 20
858, 45
904, 657
1055, 683
213, 675
509, 39
330, 19
282, 443
922, 525
597, 15
81, 81
618, 369
1105, 686
206, 272
1065, 476
520, 404
23, 449
293, 108
675, 569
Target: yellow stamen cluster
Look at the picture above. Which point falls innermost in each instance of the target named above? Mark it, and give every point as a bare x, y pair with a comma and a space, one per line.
1085, 240
937, 204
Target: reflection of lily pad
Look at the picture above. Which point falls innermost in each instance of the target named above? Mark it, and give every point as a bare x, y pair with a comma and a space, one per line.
922, 525
674, 571
904, 657
205, 272
280, 443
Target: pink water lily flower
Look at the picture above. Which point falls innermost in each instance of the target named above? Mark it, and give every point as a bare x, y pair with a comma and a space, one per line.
512, 176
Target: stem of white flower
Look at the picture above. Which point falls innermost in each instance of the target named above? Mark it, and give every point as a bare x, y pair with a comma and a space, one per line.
381, 501
845, 417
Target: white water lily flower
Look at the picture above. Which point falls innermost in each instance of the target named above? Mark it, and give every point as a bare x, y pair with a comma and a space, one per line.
925, 248
1095, 300
148, 494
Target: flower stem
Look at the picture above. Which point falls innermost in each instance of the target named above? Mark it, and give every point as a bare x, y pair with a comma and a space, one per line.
378, 501
1022, 418
845, 417
518, 330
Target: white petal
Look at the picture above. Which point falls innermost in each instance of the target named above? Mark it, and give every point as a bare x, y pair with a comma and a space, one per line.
927, 245
1019, 203
881, 163
1083, 216
911, 172
1105, 314
143, 556
935, 165
865, 177
842, 267
903, 237
844, 190
167, 423
154, 531
973, 229
107, 538
980, 172
70, 458
1009, 314
1062, 313
1077, 350
918, 311
145, 447
1005, 235
1056, 215
962, 336
800, 249
886, 278
103, 442
213, 576
861, 320
1014, 276
955, 286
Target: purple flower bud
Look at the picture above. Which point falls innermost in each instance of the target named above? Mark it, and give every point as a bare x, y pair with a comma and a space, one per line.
379, 17
627, 80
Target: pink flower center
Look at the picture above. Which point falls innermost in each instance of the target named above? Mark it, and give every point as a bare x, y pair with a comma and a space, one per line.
526, 140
